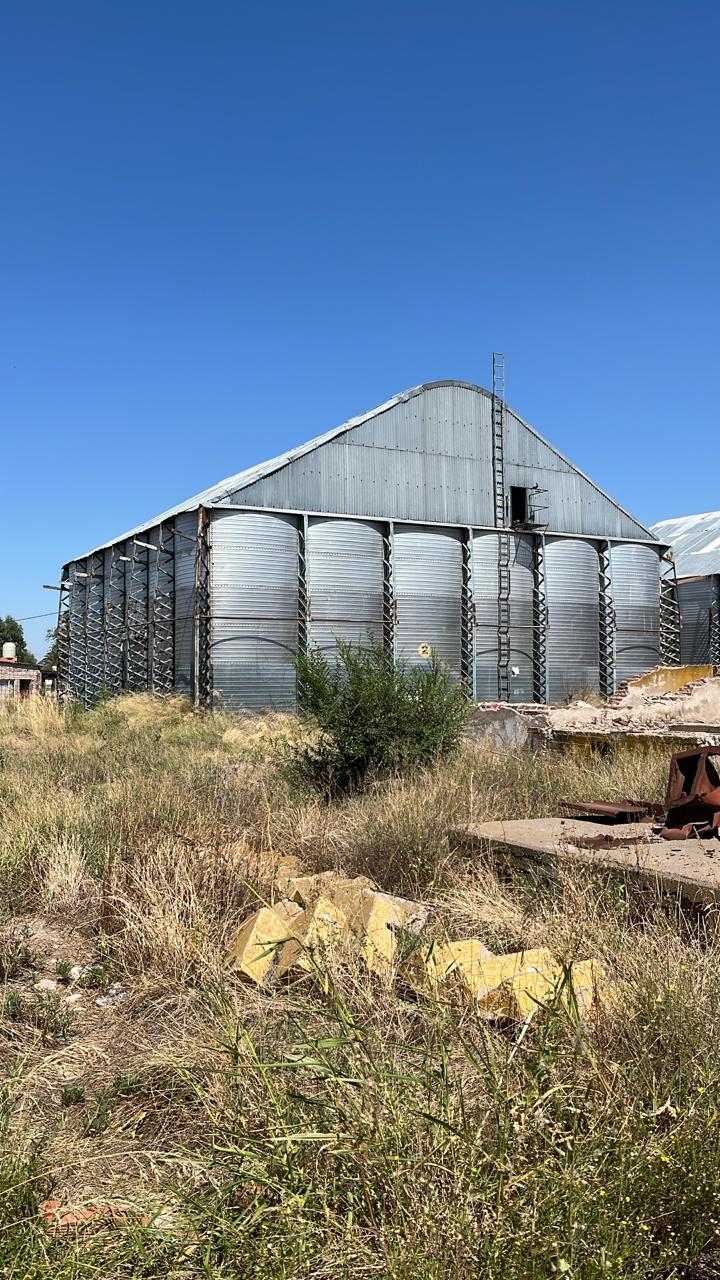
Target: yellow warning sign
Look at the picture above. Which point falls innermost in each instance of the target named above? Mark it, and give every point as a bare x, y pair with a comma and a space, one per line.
425, 650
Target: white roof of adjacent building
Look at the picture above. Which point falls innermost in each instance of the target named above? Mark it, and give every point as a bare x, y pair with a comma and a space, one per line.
694, 541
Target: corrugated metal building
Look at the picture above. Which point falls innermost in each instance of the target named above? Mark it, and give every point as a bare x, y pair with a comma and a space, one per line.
439, 519
695, 547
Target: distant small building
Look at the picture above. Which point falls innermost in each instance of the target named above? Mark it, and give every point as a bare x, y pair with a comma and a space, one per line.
694, 543
18, 679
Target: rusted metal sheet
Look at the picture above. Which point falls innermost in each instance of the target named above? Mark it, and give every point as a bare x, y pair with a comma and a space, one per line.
603, 811
692, 802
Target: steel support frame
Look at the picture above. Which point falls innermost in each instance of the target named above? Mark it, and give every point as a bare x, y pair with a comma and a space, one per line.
303, 617
95, 628
137, 618
115, 621
715, 621
63, 637
389, 610
202, 648
162, 611
607, 621
670, 616
467, 620
540, 621
77, 683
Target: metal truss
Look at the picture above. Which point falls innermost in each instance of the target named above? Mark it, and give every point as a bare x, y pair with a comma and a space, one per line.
714, 639
203, 682
63, 637
303, 600
94, 628
540, 621
467, 620
669, 614
162, 612
389, 605
77, 684
137, 617
606, 621
115, 621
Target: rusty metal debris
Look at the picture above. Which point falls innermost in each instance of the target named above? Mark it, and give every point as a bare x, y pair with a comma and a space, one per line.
692, 802
602, 811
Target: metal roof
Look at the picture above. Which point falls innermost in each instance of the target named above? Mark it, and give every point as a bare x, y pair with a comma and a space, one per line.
229, 487
694, 542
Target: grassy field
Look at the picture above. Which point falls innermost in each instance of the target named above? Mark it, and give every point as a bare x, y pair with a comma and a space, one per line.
335, 1128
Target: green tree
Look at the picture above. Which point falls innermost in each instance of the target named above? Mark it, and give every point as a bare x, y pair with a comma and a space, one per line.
375, 716
11, 631
51, 657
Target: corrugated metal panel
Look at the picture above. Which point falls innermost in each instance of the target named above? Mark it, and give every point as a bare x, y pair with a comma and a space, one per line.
572, 588
429, 458
184, 600
255, 608
344, 583
425, 456
485, 599
635, 572
694, 541
695, 597
427, 571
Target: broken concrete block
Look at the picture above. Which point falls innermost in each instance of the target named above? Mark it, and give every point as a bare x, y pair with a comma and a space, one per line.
512, 986
287, 909
372, 918
375, 918
287, 868
256, 952
328, 884
319, 928
457, 962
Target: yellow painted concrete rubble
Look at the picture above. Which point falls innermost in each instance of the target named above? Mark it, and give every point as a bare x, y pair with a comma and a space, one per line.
511, 986
320, 913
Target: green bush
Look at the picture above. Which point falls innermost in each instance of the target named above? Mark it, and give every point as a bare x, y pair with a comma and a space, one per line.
374, 716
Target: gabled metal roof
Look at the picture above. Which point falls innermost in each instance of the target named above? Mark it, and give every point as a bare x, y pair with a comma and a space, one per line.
694, 542
230, 487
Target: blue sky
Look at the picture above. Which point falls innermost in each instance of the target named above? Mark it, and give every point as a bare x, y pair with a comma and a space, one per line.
225, 228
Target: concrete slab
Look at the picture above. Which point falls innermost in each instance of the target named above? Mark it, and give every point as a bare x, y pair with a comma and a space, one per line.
689, 868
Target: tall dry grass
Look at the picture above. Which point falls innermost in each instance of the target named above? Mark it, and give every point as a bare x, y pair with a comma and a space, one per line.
336, 1128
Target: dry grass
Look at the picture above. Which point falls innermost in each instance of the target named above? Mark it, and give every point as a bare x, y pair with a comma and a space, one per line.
334, 1128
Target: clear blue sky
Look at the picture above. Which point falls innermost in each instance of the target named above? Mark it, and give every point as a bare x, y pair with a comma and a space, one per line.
225, 228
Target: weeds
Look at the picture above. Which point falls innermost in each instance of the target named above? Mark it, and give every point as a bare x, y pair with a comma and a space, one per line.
341, 1128
16, 955
72, 1095
374, 716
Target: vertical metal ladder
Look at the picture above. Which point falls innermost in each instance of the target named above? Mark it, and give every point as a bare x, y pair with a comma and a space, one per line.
498, 447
